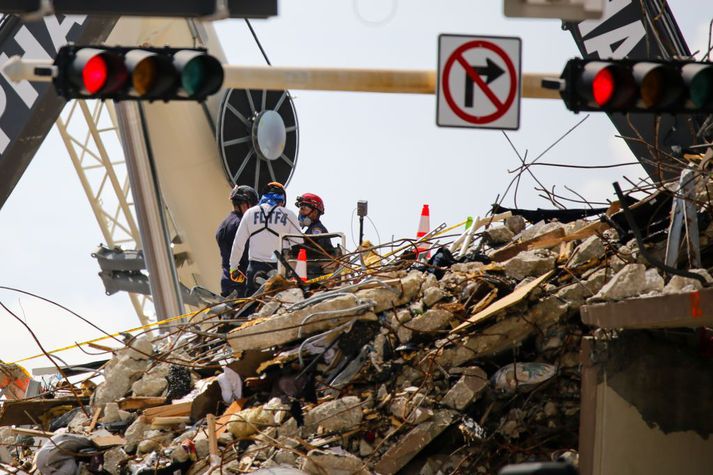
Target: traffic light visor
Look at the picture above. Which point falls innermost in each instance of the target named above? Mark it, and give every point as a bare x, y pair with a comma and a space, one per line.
201, 74
699, 78
660, 85
152, 75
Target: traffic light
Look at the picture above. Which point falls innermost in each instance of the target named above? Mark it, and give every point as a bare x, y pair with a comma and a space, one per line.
120, 73
638, 86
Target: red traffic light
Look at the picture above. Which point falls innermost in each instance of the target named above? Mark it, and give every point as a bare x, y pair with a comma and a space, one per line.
638, 86
95, 74
97, 71
121, 73
603, 84
603, 87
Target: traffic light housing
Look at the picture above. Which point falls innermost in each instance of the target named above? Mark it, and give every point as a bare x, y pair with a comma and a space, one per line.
121, 73
638, 86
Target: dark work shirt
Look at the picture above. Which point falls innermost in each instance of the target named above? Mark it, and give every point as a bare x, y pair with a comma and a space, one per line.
325, 243
315, 256
225, 236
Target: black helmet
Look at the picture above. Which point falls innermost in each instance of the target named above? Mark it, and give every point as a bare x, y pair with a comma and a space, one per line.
244, 193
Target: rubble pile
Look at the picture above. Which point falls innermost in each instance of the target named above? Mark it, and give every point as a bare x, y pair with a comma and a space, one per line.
461, 364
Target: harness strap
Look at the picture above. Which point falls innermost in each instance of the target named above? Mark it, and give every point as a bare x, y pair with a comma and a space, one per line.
267, 222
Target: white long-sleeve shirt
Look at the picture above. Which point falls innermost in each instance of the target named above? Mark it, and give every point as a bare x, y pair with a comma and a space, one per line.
263, 244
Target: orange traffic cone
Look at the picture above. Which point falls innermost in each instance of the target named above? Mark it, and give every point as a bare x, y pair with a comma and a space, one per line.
301, 265
424, 226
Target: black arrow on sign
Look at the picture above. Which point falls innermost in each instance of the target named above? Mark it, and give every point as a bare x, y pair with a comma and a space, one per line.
491, 71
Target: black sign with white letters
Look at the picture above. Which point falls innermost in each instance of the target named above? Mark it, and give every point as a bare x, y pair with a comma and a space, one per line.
28, 110
625, 32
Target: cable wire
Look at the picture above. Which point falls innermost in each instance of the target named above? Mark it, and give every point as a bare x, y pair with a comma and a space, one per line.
257, 40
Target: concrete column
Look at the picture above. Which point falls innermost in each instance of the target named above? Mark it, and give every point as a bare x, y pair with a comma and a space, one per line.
155, 243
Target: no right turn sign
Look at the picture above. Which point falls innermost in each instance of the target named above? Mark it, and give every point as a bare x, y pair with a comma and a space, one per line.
478, 82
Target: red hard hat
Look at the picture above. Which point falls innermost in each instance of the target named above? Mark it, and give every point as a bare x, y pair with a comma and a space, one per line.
311, 200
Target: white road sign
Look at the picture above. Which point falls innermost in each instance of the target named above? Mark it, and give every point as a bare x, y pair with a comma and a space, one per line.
478, 82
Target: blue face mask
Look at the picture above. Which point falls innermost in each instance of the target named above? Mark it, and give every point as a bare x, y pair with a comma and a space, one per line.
304, 220
273, 199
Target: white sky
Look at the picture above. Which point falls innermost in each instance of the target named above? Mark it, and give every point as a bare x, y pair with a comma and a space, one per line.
382, 148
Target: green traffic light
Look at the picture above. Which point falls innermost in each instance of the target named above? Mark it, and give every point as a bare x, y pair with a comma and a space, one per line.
699, 78
193, 76
201, 74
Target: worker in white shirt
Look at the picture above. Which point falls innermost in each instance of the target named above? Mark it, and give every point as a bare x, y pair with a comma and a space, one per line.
261, 227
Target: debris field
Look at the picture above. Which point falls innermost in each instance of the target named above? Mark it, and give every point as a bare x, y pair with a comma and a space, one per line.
463, 361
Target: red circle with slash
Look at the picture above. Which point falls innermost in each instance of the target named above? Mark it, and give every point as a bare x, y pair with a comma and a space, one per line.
501, 107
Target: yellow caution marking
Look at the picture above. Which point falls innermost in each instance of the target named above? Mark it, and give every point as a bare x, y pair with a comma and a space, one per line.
114, 335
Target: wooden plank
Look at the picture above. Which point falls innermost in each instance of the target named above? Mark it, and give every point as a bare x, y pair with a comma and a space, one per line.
485, 301
222, 423
134, 403
103, 441
505, 302
169, 410
512, 250
95, 418
32, 432
690, 310
565, 252
212, 438
587, 231
548, 240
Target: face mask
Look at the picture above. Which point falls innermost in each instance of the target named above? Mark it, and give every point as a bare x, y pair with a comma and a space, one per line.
304, 220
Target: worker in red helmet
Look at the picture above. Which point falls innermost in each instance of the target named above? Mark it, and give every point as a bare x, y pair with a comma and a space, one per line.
319, 249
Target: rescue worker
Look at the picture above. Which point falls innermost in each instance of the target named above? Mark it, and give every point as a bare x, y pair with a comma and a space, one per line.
243, 197
260, 229
318, 248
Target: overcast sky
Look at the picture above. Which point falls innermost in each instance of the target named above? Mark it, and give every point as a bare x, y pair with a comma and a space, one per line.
382, 148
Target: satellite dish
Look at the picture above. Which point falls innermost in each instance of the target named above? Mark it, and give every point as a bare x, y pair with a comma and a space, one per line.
258, 137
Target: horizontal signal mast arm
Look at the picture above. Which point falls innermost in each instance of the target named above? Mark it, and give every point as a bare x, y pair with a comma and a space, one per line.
315, 79
358, 80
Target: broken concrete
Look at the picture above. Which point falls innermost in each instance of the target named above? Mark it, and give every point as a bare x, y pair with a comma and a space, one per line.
408, 446
680, 284
530, 263
333, 462
289, 326
433, 320
591, 248
433, 295
335, 416
120, 374
153, 383
516, 224
498, 235
467, 389
631, 281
